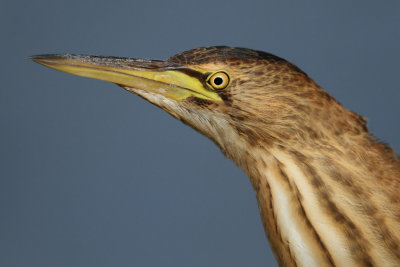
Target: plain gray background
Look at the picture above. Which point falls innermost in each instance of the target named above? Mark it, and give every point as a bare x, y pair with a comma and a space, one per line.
92, 175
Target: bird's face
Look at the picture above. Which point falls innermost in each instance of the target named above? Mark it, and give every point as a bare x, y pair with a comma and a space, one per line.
228, 94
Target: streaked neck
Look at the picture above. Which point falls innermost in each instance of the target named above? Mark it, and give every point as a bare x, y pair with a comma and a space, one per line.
322, 207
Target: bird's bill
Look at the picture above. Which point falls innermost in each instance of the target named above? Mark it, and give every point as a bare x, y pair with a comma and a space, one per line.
154, 76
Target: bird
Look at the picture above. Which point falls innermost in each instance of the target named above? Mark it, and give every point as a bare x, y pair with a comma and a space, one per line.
328, 191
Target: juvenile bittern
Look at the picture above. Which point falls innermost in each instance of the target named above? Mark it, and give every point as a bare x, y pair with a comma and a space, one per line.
328, 192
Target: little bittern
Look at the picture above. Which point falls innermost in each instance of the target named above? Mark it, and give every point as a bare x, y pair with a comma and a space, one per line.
328, 192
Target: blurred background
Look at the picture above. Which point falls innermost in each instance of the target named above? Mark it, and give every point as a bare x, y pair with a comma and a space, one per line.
91, 175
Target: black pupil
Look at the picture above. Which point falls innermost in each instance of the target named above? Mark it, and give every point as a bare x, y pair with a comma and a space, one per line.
218, 81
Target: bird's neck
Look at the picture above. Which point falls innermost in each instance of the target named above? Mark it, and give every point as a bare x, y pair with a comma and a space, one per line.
327, 205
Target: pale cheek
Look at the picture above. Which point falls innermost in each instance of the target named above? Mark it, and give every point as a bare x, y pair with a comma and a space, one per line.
213, 124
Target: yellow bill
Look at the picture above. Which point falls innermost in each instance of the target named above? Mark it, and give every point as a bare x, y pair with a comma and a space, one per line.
171, 80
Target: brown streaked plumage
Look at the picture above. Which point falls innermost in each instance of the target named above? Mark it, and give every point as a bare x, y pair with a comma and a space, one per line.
328, 192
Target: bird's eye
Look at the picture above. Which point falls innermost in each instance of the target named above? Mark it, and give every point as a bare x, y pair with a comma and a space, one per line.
218, 80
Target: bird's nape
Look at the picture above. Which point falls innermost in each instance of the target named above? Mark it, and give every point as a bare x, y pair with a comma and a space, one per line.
326, 189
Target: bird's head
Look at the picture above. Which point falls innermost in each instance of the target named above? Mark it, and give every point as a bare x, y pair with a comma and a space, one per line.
232, 95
